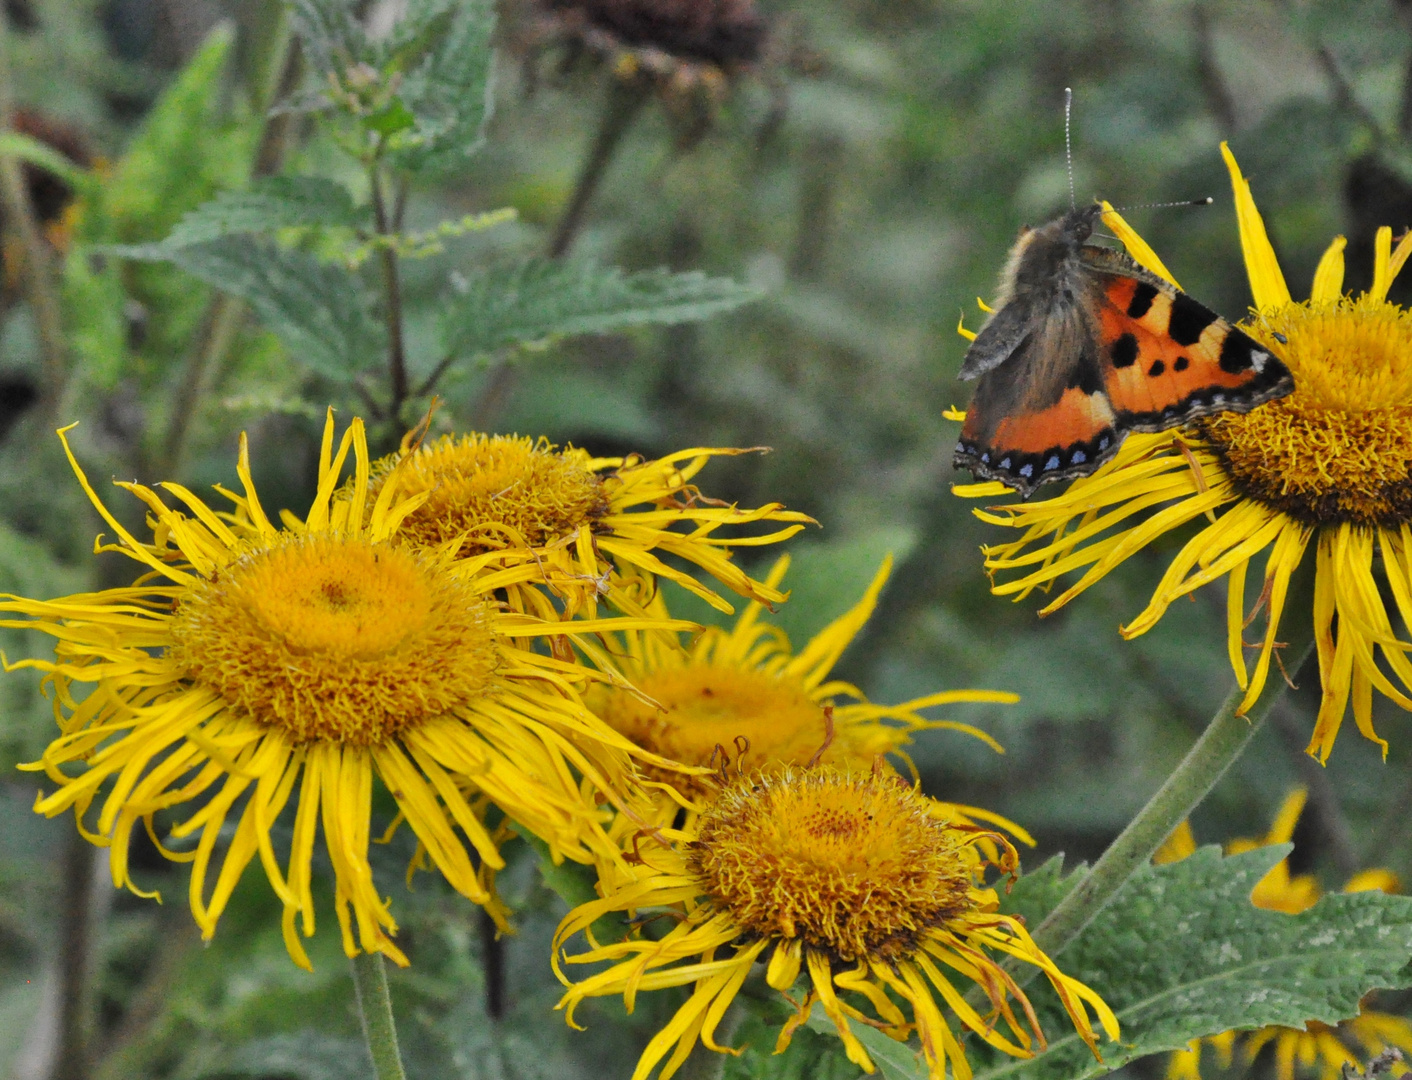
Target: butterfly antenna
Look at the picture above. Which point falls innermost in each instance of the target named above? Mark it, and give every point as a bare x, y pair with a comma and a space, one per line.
1158, 205
1068, 145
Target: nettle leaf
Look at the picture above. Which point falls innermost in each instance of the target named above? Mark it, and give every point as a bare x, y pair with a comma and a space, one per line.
274, 202
1038, 892
1181, 953
330, 34
449, 92
539, 299
320, 311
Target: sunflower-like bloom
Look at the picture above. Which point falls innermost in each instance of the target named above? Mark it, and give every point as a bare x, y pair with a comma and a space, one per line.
858, 881
250, 666
1328, 467
1318, 1051
596, 527
745, 695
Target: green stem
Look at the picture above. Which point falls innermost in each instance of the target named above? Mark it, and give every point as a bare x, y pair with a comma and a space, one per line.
375, 1008
1220, 744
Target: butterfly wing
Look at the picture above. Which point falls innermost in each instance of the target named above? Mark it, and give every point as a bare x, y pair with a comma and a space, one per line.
1042, 414
1168, 359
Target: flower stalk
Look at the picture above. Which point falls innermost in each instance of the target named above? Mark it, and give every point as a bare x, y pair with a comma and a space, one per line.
375, 1011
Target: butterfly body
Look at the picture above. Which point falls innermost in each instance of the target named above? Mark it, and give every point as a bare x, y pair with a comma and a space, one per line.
1085, 346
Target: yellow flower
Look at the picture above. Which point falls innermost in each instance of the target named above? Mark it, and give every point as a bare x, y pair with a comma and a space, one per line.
597, 526
249, 666
1328, 467
859, 881
1318, 1050
744, 698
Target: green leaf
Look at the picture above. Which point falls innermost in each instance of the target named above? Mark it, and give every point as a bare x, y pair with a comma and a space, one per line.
539, 299
319, 310
449, 93
183, 153
275, 202
895, 1060
1182, 953
1038, 892
330, 34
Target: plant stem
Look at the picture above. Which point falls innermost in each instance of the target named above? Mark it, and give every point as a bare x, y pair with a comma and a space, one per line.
392, 301
1207, 761
20, 217
375, 1009
76, 930
619, 110
493, 962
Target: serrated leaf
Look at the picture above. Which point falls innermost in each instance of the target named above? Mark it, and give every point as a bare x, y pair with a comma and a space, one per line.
538, 299
894, 1060
274, 202
1181, 953
330, 34
1038, 892
449, 92
319, 310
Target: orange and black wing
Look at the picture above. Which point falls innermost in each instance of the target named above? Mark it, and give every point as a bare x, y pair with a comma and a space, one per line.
1169, 359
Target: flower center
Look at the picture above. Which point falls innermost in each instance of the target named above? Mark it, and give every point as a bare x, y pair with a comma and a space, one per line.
493, 488
853, 864
758, 720
1339, 448
336, 639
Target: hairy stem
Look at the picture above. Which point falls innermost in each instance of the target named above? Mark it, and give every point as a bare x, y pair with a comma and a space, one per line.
1219, 746
624, 101
41, 284
375, 1009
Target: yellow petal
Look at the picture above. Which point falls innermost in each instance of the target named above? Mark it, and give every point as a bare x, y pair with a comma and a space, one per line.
1328, 278
1382, 258
1267, 282
1399, 256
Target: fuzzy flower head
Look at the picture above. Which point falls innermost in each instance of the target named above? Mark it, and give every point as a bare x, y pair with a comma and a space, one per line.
250, 668
854, 884
742, 701
1318, 1051
1323, 474
595, 528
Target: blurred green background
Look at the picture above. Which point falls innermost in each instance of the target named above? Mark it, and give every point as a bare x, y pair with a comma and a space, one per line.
869, 176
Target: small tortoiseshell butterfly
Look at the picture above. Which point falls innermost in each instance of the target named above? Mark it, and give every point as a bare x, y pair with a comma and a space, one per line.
1085, 346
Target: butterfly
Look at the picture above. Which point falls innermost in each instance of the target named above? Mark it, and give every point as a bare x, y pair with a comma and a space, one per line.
1086, 346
